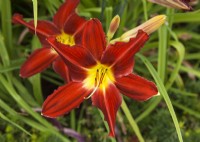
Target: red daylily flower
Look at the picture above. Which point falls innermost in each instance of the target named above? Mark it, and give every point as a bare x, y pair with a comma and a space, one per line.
66, 27
99, 72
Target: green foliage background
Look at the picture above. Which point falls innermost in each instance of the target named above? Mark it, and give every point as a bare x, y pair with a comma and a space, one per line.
173, 51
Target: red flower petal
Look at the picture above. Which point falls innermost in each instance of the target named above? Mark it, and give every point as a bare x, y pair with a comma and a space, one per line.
136, 87
94, 38
109, 102
64, 12
73, 24
38, 61
121, 54
44, 28
64, 99
77, 58
61, 68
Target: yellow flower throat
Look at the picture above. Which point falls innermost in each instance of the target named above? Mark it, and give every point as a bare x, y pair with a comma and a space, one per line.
65, 39
99, 76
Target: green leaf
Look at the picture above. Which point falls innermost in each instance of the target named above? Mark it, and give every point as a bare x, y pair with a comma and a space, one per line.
4, 54
106, 124
132, 121
24, 93
29, 122
186, 109
163, 92
28, 109
7, 26
36, 79
13, 123
189, 17
162, 52
35, 12
181, 52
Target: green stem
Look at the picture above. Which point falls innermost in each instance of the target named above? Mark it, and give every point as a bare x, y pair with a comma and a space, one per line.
73, 120
145, 9
132, 121
79, 119
106, 125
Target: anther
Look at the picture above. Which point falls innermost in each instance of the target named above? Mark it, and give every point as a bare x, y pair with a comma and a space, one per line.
95, 81
102, 75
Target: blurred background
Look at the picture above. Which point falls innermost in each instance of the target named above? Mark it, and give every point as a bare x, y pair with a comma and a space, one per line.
173, 50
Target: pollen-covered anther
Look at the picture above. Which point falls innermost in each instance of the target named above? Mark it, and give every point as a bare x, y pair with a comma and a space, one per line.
100, 73
65, 39
103, 72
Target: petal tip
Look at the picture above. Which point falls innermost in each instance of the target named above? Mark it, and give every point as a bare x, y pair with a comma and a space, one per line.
45, 113
112, 134
20, 74
164, 17
42, 114
23, 74
17, 18
158, 94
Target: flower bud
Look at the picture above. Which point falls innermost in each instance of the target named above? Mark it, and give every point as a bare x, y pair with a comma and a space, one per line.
178, 4
149, 27
114, 24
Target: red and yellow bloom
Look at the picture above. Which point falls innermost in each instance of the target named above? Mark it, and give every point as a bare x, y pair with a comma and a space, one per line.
66, 27
99, 72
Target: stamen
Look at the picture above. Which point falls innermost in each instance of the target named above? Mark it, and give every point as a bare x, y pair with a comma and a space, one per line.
95, 81
97, 77
97, 74
98, 80
102, 75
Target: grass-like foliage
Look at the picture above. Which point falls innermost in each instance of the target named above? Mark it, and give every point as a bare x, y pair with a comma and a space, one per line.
170, 58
